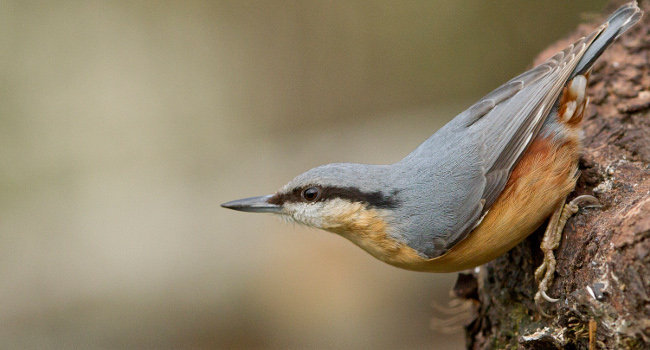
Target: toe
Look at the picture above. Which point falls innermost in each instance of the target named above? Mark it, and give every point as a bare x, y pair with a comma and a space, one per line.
586, 201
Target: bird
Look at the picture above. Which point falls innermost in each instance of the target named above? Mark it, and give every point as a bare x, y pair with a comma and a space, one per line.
475, 188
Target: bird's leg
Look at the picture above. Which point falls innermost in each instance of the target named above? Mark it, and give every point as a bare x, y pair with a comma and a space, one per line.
551, 240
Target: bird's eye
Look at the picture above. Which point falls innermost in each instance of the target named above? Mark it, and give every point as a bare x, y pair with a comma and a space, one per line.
311, 194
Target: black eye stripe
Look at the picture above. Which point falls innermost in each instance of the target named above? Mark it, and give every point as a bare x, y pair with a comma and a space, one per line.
374, 199
311, 194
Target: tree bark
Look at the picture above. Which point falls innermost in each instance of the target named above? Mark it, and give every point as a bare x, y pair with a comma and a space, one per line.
603, 272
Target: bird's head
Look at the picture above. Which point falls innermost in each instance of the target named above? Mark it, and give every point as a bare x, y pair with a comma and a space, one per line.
357, 201
338, 197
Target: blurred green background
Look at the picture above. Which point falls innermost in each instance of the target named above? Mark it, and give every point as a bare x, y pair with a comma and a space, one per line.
124, 125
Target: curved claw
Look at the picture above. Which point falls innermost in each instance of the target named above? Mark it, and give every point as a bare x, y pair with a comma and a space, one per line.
547, 298
586, 201
538, 304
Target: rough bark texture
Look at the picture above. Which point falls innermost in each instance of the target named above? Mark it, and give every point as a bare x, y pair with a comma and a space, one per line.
603, 270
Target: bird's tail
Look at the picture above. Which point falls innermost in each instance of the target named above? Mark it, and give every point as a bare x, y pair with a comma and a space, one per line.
620, 21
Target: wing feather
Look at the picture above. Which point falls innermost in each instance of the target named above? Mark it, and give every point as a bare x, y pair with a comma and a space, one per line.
507, 120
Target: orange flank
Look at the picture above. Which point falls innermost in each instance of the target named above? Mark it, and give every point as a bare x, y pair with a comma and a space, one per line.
543, 177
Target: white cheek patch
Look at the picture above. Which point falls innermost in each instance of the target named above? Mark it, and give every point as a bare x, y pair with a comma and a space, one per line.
321, 214
305, 213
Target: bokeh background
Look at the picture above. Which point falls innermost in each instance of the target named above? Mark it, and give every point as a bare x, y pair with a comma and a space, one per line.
124, 125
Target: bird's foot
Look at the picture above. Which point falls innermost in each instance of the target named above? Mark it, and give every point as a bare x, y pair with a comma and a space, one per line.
545, 272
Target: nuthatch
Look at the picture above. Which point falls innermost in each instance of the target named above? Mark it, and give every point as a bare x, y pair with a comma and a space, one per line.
476, 187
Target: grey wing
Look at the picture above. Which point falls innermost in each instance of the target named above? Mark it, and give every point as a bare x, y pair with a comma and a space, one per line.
506, 121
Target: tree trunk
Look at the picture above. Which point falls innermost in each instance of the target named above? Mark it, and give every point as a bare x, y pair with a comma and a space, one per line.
603, 273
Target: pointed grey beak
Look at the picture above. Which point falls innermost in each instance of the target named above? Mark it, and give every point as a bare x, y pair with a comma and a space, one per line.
254, 205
